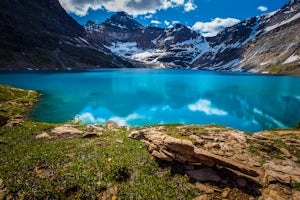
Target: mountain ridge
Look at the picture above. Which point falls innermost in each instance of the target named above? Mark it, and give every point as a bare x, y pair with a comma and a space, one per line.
250, 45
41, 35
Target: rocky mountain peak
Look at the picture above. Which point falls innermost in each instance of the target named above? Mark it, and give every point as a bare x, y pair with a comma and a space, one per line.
123, 21
256, 44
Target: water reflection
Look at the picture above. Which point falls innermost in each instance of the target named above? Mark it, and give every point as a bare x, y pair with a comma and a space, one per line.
144, 97
204, 105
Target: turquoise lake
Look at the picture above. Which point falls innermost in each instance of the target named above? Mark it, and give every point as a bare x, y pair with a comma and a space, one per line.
145, 96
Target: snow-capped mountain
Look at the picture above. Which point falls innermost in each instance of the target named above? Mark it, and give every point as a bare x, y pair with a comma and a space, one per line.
154, 47
268, 43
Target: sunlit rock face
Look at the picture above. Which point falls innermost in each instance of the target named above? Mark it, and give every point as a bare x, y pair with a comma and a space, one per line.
256, 44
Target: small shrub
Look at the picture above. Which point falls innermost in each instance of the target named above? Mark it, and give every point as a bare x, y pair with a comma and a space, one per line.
296, 186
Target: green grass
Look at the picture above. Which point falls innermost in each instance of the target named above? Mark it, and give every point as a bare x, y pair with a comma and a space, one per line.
78, 168
280, 69
296, 186
252, 148
15, 101
83, 168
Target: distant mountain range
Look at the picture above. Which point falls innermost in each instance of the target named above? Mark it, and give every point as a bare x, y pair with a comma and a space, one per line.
40, 35
266, 43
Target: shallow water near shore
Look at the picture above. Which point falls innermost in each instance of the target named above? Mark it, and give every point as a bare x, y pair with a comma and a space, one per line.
138, 97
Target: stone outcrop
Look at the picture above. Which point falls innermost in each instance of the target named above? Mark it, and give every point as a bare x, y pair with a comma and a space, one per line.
111, 125
264, 165
66, 129
42, 135
169, 148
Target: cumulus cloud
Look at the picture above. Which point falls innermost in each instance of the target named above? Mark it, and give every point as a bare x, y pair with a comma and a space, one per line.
148, 16
262, 8
167, 23
133, 7
209, 29
189, 6
155, 22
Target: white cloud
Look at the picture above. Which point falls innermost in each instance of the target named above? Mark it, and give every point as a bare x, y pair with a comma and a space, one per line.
189, 6
179, 2
209, 29
167, 23
262, 8
148, 16
205, 106
175, 22
132, 7
155, 22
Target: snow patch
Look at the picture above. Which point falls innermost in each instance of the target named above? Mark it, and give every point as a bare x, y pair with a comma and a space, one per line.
124, 48
270, 28
84, 40
292, 58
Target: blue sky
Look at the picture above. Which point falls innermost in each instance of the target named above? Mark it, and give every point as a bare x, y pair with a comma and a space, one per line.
206, 16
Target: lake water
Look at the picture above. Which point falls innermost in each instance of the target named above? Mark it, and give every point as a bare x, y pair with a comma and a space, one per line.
143, 97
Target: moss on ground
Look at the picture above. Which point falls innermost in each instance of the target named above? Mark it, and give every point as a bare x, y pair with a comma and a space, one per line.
83, 168
14, 101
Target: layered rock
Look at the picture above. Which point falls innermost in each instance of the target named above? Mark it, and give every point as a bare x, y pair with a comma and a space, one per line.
169, 148
227, 156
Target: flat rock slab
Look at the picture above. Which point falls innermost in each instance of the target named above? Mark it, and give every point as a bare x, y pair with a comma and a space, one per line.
66, 129
169, 148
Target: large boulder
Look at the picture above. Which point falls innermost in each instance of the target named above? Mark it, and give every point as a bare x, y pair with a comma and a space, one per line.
66, 129
168, 148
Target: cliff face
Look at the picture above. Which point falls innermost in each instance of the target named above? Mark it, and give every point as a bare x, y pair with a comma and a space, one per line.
41, 35
266, 43
276, 47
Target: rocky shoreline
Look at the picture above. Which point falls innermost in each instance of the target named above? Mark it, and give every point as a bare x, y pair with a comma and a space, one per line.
221, 162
